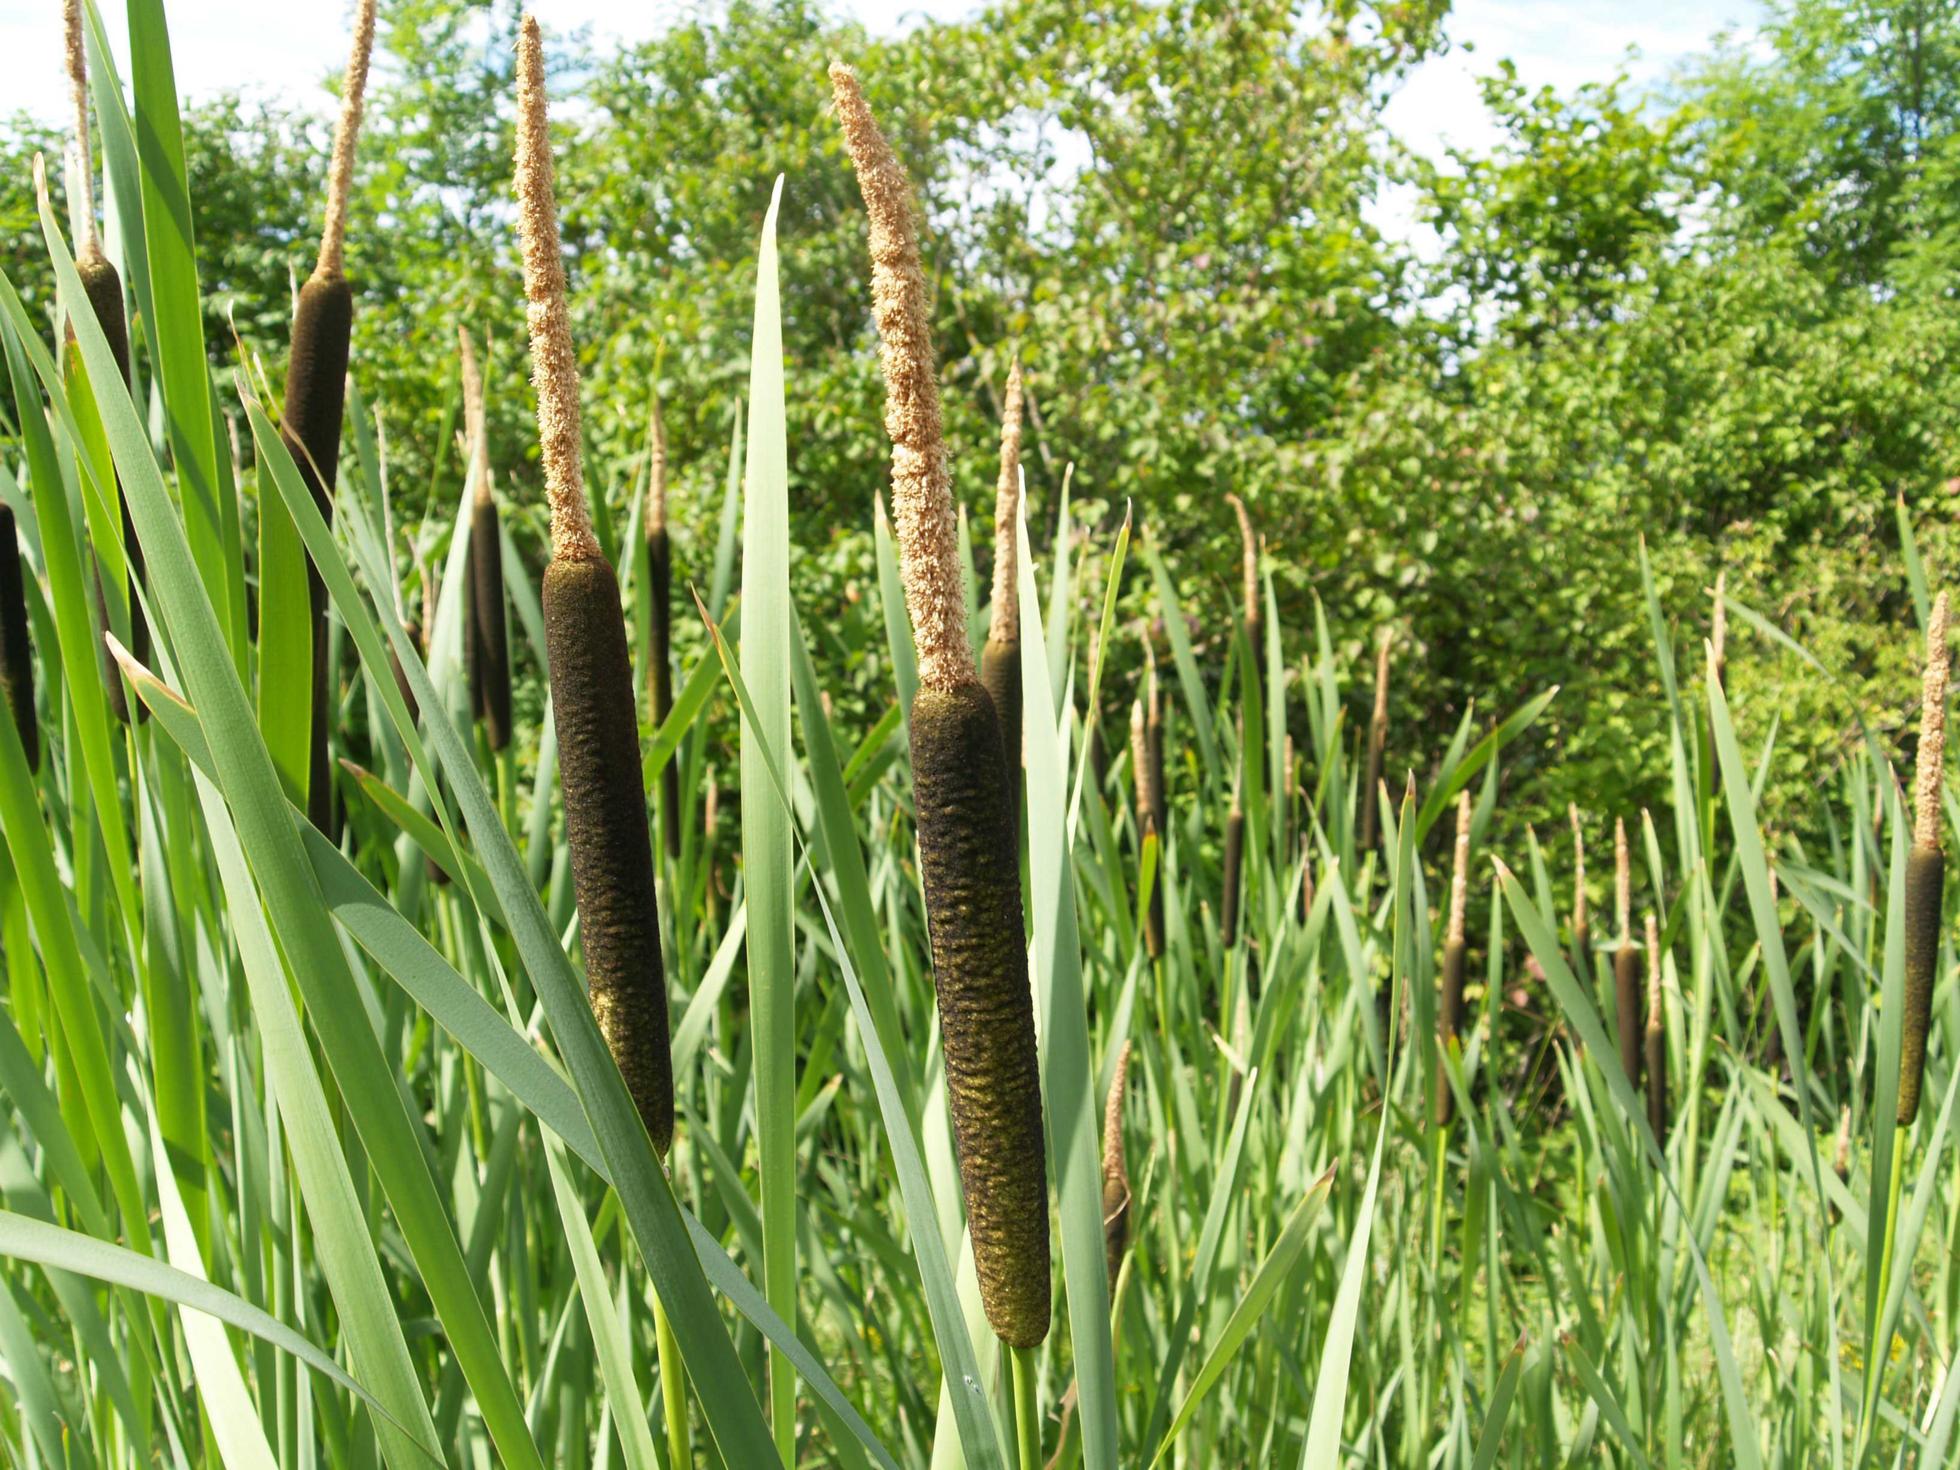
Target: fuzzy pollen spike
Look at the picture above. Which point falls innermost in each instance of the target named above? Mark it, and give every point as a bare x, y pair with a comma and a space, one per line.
90, 245
922, 486
1932, 731
1005, 625
340, 174
1460, 869
1622, 881
554, 361
1578, 868
1115, 1169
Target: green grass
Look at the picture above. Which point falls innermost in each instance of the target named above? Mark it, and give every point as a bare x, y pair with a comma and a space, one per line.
307, 1160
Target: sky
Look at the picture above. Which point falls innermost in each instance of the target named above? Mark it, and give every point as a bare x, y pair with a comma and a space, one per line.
1561, 43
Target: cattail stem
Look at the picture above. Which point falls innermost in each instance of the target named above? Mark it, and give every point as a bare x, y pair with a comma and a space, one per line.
660, 621
966, 825
1377, 744
16, 655
1000, 660
1925, 878
1581, 930
591, 675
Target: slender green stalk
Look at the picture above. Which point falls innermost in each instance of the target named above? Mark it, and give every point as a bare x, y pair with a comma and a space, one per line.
1027, 1413
673, 1388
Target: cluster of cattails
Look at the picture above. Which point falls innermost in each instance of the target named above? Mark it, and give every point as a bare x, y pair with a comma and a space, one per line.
1450, 1011
1925, 868
316, 384
103, 287
486, 638
660, 615
592, 692
1000, 659
966, 825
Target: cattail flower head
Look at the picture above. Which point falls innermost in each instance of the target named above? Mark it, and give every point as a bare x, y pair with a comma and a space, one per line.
1460, 869
1578, 866
340, 173
554, 361
922, 488
1115, 1169
1248, 560
1654, 1019
475, 435
1005, 626
1932, 731
1622, 880
1718, 632
77, 57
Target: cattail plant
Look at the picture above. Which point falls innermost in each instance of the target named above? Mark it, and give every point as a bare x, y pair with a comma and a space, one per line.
1377, 742
1656, 1038
486, 636
660, 615
1581, 929
1143, 775
966, 827
1627, 990
1450, 1012
1228, 903
316, 385
103, 287
16, 657
1251, 735
1925, 868
590, 673
1154, 734
1000, 660
1115, 1170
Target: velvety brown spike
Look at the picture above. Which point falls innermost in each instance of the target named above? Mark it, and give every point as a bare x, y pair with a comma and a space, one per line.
490, 661
1925, 883
1115, 1170
316, 380
1627, 995
1000, 672
104, 290
16, 655
986, 1009
1228, 903
606, 829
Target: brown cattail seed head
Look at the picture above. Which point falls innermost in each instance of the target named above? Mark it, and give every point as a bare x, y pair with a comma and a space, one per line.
1005, 626
1932, 731
922, 491
1460, 870
554, 361
340, 174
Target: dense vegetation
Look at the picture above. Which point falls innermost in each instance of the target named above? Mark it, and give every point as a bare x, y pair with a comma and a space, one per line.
1722, 315
1423, 1156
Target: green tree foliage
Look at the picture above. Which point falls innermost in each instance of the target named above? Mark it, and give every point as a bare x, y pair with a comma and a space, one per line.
1719, 318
